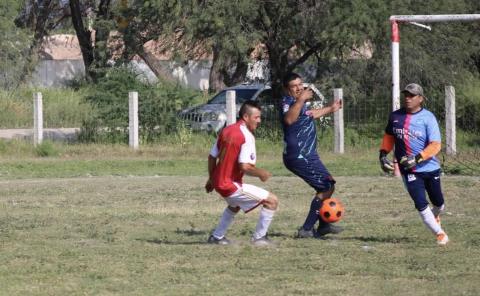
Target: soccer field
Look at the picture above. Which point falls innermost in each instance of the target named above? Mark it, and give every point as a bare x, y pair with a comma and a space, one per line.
147, 236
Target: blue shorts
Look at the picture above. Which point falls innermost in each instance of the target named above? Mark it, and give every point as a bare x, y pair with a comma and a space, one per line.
312, 171
418, 183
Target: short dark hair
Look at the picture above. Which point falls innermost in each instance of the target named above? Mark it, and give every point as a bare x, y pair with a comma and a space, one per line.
289, 77
247, 107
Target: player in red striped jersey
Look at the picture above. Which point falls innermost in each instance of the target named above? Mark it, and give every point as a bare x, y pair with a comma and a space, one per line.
232, 156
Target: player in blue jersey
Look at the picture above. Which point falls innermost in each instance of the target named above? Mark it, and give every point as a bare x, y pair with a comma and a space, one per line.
300, 154
414, 132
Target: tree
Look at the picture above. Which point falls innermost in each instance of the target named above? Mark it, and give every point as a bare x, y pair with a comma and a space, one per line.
37, 16
195, 28
92, 20
292, 32
14, 44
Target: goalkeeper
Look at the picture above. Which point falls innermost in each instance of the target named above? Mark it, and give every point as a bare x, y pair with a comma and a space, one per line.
414, 132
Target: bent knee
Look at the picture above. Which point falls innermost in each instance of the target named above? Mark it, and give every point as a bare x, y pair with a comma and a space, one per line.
234, 209
326, 194
271, 202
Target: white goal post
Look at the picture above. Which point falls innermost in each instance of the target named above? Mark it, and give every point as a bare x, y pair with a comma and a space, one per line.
395, 20
418, 20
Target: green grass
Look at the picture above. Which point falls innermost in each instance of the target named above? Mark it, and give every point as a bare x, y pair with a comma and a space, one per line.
186, 156
82, 219
61, 107
19, 159
146, 236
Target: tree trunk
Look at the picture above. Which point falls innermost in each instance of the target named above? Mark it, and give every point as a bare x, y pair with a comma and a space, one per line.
84, 39
277, 63
102, 30
238, 76
155, 65
215, 79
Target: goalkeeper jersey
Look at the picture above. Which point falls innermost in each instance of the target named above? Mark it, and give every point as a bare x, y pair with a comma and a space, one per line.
412, 133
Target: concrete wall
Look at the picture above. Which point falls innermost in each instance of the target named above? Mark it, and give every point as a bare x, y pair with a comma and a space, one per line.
56, 73
194, 74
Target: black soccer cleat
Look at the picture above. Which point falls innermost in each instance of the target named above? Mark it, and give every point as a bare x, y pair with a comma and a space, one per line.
328, 229
302, 233
218, 241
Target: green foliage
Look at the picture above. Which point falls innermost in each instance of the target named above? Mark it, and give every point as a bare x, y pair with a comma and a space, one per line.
183, 135
443, 56
157, 106
14, 43
468, 105
46, 149
61, 107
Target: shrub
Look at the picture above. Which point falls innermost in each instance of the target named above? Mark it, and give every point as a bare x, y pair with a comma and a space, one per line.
46, 149
157, 106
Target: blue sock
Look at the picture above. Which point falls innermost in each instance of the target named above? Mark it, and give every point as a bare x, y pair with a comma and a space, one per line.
312, 216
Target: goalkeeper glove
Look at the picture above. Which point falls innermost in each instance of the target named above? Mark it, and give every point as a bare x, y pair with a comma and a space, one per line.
385, 163
409, 162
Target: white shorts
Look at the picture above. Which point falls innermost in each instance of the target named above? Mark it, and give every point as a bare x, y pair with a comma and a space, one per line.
247, 197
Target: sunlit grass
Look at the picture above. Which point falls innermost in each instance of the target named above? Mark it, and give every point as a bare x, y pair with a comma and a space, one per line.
146, 236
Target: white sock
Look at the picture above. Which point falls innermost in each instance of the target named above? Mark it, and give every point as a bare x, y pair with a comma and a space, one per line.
429, 220
438, 210
266, 217
225, 221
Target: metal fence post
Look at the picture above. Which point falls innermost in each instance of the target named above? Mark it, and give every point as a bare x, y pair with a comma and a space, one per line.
450, 128
338, 124
231, 107
133, 119
37, 119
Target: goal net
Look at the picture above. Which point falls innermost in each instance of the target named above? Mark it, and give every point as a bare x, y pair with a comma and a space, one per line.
441, 53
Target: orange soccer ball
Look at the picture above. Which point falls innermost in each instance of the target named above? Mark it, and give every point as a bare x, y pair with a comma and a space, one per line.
332, 210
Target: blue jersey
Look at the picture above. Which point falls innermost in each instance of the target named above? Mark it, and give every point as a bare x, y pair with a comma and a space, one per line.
300, 138
412, 133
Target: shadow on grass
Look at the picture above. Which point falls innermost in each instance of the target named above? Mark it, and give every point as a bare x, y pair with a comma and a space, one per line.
192, 232
377, 239
170, 242
279, 234
183, 232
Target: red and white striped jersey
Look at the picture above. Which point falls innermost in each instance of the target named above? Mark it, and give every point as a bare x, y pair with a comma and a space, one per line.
234, 145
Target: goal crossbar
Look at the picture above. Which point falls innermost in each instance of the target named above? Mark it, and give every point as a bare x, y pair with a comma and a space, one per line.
395, 20
435, 18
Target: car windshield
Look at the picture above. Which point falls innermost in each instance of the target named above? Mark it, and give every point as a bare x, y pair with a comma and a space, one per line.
241, 95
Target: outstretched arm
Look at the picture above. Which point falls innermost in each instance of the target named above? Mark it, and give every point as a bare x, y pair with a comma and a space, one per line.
333, 107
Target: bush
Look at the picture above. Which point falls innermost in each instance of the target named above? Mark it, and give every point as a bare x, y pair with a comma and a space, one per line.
46, 149
61, 107
157, 106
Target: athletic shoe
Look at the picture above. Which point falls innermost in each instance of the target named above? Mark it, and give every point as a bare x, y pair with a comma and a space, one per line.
261, 242
442, 239
327, 229
217, 241
302, 233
